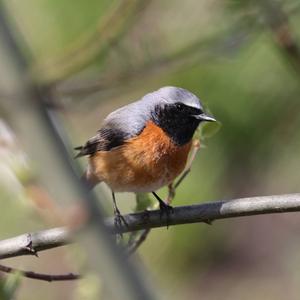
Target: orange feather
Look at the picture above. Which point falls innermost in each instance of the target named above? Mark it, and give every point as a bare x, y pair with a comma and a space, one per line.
144, 163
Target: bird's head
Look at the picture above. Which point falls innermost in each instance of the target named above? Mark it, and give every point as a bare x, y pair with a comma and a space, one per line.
178, 112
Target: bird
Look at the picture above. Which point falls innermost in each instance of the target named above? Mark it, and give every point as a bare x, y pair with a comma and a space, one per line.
144, 145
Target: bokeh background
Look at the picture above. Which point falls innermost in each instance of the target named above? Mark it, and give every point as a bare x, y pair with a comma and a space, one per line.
243, 60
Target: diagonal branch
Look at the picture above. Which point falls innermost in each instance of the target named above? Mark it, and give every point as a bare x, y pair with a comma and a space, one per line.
91, 45
137, 243
277, 19
206, 212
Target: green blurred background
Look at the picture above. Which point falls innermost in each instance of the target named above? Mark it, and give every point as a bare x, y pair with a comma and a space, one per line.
242, 59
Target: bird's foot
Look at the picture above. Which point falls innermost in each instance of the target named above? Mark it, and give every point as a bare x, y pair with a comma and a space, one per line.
119, 221
165, 209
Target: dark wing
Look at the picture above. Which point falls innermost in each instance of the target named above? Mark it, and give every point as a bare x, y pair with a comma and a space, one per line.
119, 126
104, 140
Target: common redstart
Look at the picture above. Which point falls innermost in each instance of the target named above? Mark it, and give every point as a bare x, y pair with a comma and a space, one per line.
144, 145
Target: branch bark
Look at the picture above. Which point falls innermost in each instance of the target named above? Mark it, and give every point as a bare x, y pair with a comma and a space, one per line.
32, 243
207, 212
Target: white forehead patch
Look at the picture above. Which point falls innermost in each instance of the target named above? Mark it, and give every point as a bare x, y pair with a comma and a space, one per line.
193, 102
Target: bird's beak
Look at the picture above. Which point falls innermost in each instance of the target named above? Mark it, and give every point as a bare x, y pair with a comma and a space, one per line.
204, 117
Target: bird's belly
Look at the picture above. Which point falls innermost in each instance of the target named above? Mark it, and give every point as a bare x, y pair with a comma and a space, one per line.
143, 164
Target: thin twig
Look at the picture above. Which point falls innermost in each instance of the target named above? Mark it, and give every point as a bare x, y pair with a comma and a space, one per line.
40, 276
195, 149
136, 244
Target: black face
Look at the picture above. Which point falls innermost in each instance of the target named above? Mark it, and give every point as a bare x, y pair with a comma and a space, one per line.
178, 121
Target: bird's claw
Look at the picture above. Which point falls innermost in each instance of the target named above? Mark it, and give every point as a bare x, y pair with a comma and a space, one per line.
118, 220
167, 210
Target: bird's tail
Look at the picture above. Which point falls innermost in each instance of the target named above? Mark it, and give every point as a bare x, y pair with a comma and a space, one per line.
89, 180
80, 153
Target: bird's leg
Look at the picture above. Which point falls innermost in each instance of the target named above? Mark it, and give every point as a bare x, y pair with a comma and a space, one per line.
118, 217
171, 193
164, 208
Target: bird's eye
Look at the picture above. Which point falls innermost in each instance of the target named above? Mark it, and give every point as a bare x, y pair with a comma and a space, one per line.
179, 106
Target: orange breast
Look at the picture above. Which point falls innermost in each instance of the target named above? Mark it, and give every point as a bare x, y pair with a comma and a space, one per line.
143, 164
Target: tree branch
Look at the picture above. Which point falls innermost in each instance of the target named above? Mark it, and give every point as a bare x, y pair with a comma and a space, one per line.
31, 243
209, 212
206, 212
40, 276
